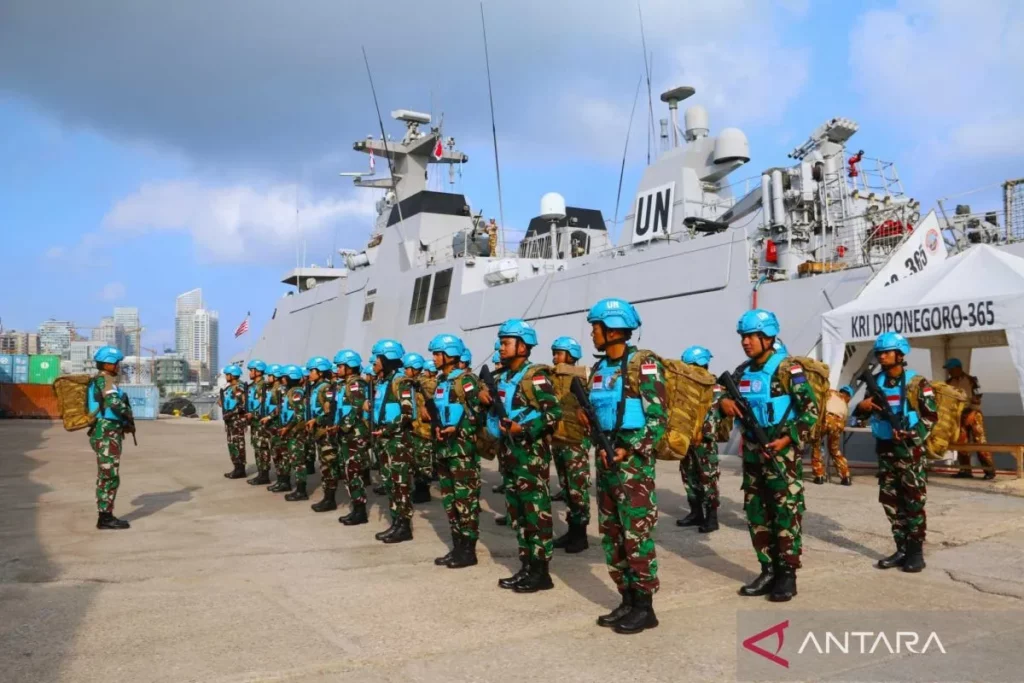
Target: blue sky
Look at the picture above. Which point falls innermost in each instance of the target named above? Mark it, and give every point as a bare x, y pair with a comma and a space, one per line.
151, 148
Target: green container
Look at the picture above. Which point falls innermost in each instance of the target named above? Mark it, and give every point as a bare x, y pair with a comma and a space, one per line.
43, 369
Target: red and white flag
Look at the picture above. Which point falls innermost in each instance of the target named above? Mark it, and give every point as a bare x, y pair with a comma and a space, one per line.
373, 163
438, 149
243, 328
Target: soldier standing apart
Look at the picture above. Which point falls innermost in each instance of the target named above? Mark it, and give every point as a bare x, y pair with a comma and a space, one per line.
114, 418
836, 412
394, 410
627, 392
458, 405
532, 410
422, 444
972, 423
254, 402
232, 405
271, 423
353, 433
571, 452
781, 399
902, 478
319, 426
699, 468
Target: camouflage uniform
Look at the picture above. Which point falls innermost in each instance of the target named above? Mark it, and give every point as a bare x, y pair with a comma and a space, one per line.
699, 468
257, 432
234, 423
833, 431
396, 449
773, 490
972, 424
278, 445
627, 504
573, 463
323, 397
354, 437
105, 439
295, 434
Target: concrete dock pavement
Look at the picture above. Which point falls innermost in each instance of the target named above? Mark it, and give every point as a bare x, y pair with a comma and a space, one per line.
221, 581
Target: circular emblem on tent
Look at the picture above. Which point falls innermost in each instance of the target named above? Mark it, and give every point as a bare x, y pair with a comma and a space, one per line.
931, 240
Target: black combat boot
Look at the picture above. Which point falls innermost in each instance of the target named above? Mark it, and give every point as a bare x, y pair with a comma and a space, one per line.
696, 516
617, 614
328, 503
420, 492
785, 585
445, 559
513, 581
915, 557
357, 516
107, 520
989, 476
380, 489
578, 539
501, 520
366, 477
819, 480
237, 473
559, 497
895, 560
262, 477
380, 535
564, 539
311, 466
846, 481
500, 488
536, 579
465, 556
281, 485
762, 585
710, 519
964, 474
641, 617
298, 494
402, 533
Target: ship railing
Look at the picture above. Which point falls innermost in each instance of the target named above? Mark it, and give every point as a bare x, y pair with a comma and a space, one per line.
876, 176
1002, 224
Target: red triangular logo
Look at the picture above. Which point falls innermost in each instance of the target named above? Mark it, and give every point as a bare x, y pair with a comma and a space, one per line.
776, 630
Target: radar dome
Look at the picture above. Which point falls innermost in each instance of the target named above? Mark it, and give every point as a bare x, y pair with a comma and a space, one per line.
552, 206
732, 146
695, 119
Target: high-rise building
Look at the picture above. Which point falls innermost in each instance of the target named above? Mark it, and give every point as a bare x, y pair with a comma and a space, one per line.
81, 356
19, 343
185, 307
205, 343
128, 318
110, 333
55, 337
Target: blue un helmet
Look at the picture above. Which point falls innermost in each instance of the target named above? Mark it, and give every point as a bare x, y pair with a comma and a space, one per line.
448, 344
569, 345
466, 357
257, 365
293, 372
953, 363
389, 348
348, 358
847, 389
368, 370
319, 363
496, 358
519, 329
233, 370
429, 366
497, 345
614, 314
412, 360
108, 354
892, 341
274, 370
758, 320
697, 355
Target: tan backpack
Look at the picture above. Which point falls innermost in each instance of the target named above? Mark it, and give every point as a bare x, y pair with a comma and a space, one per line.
486, 445
817, 376
569, 430
424, 392
725, 422
73, 401
950, 403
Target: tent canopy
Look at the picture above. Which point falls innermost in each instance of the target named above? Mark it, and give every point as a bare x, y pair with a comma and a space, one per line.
974, 299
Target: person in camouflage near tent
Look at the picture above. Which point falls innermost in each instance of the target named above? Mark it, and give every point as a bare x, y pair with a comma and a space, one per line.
630, 410
233, 411
114, 418
571, 454
422, 443
699, 468
531, 410
777, 392
902, 477
457, 405
321, 399
391, 416
352, 392
256, 396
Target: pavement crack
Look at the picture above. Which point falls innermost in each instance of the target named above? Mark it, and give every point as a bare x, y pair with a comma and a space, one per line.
978, 588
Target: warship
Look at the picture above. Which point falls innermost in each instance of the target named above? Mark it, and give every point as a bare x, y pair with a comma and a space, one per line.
697, 247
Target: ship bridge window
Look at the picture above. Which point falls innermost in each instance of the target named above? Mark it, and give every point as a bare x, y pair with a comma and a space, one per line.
368, 311
439, 299
418, 307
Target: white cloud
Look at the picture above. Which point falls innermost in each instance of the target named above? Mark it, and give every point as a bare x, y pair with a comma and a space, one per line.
235, 223
112, 291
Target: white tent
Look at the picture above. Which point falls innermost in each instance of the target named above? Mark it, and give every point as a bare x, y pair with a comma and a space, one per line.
972, 300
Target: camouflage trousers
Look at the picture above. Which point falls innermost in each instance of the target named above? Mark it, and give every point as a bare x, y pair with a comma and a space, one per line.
699, 470
295, 449
903, 491
627, 512
528, 500
973, 431
396, 450
278, 452
423, 451
105, 439
260, 440
328, 459
773, 498
235, 429
573, 464
309, 448
354, 458
458, 469
833, 432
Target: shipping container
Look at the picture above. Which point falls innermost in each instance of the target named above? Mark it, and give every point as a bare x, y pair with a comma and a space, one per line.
28, 401
19, 374
145, 400
6, 369
43, 369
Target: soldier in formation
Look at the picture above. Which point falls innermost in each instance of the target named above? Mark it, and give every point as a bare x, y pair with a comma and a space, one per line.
352, 429
232, 403
570, 448
255, 400
699, 468
321, 399
393, 411
422, 443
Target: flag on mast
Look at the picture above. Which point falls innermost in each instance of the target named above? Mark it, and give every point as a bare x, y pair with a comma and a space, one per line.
438, 149
373, 165
243, 328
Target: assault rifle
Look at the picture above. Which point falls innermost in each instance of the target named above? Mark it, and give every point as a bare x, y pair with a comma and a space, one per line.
751, 428
577, 389
497, 405
878, 397
431, 407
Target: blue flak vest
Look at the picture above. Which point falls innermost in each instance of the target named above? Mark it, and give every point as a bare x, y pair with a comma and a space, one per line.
343, 409
95, 399
252, 403
315, 409
268, 401
449, 412
898, 405
756, 387
506, 392
392, 408
606, 392
287, 412
230, 402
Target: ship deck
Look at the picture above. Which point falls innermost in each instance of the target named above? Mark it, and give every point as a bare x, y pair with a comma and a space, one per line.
220, 581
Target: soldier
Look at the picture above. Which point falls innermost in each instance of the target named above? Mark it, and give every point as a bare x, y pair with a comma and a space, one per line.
902, 479
377, 461
570, 451
627, 392
290, 428
532, 410
232, 404
392, 414
422, 444
781, 400
113, 419
429, 369
308, 442
503, 470
699, 468
271, 422
466, 360
254, 402
972, 423
321, 421
457, 402
836, 412
353, 431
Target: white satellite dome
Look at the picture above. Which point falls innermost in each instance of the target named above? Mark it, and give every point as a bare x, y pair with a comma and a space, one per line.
732, 146
552, 206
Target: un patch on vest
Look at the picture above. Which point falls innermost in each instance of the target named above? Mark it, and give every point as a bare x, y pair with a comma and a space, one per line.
649, 369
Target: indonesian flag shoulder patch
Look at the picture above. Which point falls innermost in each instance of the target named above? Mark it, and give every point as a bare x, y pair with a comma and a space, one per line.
468, 387
927, 390
649, 369
406, 393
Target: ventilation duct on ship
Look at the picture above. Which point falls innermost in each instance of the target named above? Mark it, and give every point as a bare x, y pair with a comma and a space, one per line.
355, 259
